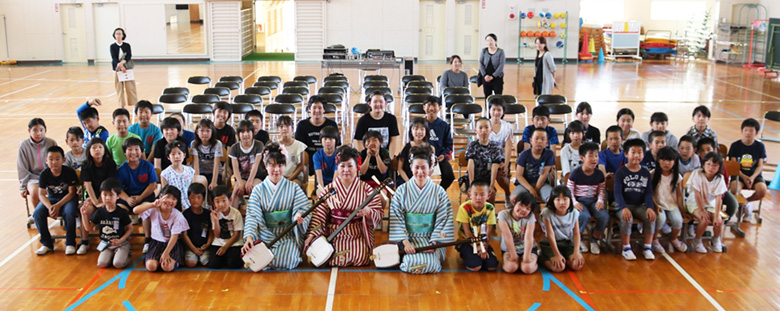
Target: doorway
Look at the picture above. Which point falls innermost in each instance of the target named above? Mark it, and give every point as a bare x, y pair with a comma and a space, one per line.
185, 33
467, 30
432, 30
74, 33
275, 26
106, 18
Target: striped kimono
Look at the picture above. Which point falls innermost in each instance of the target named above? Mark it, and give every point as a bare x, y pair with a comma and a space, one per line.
422, 216
353, 245
269, 212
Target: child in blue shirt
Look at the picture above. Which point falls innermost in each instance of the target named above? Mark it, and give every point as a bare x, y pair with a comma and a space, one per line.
90, 120
533, 168
325, 158
634, 198
541, 120
144, 128
441, 139
138, 179
612, 158
657, 141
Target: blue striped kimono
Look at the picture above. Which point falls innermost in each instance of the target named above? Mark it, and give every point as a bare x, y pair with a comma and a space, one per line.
269, 212
422, 216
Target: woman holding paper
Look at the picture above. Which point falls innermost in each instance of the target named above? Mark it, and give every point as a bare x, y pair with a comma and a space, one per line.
121, 61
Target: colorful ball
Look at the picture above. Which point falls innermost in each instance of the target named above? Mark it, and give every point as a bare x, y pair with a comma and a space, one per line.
537, 33
563, 35
545, 34
552, 34
539, 24
530, 14
548, 15
559, 44
563, 25
522, 33
522, 15
563, 15
552, 25
557, 15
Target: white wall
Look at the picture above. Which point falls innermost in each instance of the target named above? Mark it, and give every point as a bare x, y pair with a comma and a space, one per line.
374, 24
35, 30
773, 6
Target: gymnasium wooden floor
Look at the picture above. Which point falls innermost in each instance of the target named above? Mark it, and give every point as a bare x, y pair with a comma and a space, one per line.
747, 277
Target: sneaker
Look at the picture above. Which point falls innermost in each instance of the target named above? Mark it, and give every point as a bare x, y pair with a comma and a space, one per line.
648, 254
43, 250
146, 247
594, 248
70, 250
83, 248
628, 254
717, 246
700, 248
657, 247
680, 246
666, 229
583, 248
31, 220
691, 231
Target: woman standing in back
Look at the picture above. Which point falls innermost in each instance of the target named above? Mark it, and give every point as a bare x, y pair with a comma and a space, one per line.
491, 66
544, 81
120, 56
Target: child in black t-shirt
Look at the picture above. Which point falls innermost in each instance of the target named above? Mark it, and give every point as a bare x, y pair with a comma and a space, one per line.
377, 120
375, 159
113, 225
171, 129
199, 236
225, 133
751, 155
256, 118
57, 192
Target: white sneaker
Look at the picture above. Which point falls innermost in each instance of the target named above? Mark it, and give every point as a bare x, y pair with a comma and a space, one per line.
583, 248
594, 248
691, 231
657, 247
717, 245
70, 250
146, 247
83, 248
666, 229
679, 246
648, 253
43, 250
699, 248
31, 220
628, 254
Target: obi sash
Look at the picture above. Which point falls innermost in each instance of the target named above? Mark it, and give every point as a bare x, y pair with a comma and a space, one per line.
338, 216
278, 219
419, 223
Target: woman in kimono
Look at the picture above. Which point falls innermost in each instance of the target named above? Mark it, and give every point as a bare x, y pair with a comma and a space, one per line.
353, 245
421, 215
274, 204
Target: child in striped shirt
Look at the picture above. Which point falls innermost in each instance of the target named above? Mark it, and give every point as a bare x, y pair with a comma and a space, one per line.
588, 187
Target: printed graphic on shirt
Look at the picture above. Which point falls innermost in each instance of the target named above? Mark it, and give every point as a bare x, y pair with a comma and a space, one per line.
225, 228
746, 161
634, 183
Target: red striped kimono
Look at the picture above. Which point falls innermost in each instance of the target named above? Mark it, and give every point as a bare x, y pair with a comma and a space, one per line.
353, 245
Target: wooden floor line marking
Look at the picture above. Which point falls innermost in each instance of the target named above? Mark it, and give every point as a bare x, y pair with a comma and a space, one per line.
581, 289
334, 273
25, 245
85, 288
693, 282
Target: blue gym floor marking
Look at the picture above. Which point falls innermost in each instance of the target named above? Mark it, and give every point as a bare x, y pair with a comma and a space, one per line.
535, 306
547, 277
122, 277
128, 305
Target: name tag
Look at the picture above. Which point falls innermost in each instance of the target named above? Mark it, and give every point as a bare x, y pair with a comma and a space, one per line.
166, 230
116, 223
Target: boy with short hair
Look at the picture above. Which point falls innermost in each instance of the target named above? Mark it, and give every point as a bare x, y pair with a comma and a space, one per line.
533, 168
144, 128
440, 139
657, 141
227, 225
308, 130
225, 133
171, 129
114, 143
588, 189
256, 118
90, 121
592, 133
476, 217
76, 156
751, 155
199, 237
377, 120
689, 160
325, 158
484, 157
612, 158
375, 159
570, 153
700, 129
658, 122
541, 120
634, 198
57, 193
138, 179
113, 225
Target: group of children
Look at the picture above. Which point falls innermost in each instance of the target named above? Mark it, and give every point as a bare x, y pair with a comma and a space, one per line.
195, 217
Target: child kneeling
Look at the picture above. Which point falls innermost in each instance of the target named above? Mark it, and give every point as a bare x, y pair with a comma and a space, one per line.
479, 216
114, 227
561, 248
167, 223
228, 226
517, 235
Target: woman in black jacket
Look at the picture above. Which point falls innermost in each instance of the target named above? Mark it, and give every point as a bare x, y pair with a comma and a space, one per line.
120, 56
491, 66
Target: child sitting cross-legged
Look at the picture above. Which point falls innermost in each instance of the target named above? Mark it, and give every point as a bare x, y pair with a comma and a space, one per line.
476, 217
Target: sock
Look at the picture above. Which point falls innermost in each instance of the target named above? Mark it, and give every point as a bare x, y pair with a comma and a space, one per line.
626, 247
648, 246
85, 242
147, 240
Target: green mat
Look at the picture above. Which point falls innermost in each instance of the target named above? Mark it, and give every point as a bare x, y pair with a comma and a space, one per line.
270, 57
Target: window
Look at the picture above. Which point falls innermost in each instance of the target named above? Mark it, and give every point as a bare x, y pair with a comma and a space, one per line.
601, 11
666, 10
